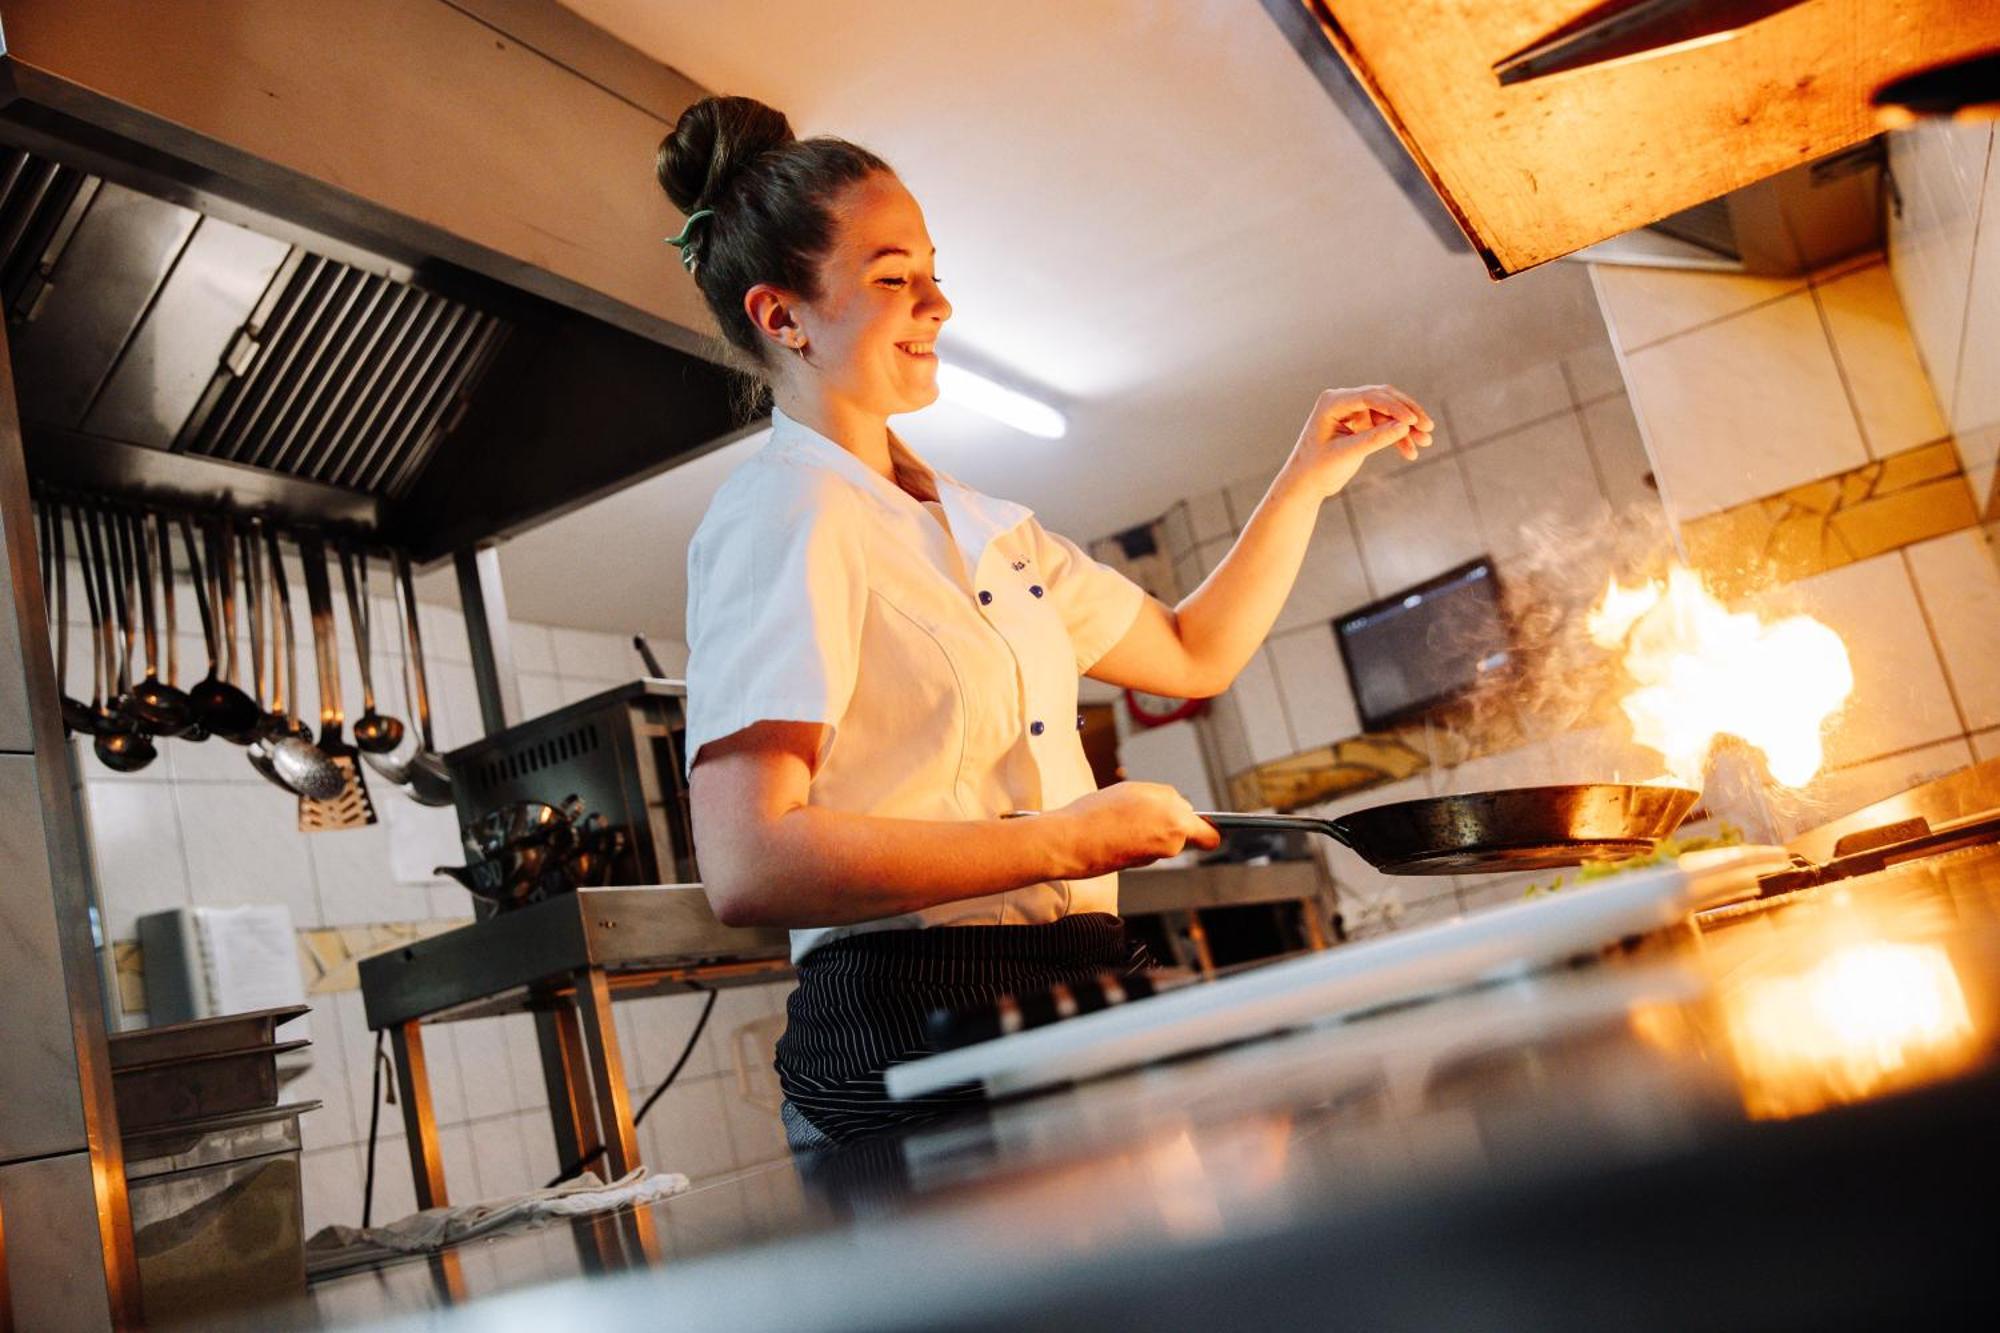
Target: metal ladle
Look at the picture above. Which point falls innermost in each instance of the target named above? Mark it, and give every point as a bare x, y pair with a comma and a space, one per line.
373, 733
157, 705
75, 713
120, 746
194, 730
430, 780
282, 735
219, 706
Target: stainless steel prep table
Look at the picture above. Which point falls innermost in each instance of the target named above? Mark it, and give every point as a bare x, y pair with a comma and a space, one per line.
565, 960
1617, 1145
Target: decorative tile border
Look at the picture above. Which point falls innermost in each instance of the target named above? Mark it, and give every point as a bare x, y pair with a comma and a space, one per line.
1881, 506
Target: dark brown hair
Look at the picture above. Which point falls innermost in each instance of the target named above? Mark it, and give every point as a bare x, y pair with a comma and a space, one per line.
773, 197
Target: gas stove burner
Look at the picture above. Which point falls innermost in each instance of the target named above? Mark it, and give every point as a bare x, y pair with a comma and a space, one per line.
1868, 850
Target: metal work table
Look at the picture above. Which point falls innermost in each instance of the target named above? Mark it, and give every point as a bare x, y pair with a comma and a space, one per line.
565, 960
1633, 1143
568, 959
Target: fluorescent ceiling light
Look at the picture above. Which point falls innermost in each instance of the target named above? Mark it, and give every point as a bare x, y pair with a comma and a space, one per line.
959, 385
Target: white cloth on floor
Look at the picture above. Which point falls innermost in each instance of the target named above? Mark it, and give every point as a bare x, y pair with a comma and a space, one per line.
434, 1228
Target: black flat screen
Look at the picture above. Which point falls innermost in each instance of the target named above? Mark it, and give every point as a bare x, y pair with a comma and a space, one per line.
1425, 646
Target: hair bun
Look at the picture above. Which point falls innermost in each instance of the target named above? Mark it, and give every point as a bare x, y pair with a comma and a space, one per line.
712, 141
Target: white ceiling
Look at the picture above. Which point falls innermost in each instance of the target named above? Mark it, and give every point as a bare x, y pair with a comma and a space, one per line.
1148, 208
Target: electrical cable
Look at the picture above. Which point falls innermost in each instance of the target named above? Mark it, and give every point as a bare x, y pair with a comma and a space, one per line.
374, 1129
576, 1168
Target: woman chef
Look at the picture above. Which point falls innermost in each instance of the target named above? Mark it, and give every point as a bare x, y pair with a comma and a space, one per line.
883, 661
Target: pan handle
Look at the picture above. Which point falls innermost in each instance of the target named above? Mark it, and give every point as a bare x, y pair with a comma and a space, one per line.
1227, 819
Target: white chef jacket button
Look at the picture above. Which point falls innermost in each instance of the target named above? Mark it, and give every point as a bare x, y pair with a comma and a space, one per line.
985, 597
1035, 728
1035, 589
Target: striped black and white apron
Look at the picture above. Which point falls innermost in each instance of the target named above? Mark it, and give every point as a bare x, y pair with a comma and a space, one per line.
862, 1000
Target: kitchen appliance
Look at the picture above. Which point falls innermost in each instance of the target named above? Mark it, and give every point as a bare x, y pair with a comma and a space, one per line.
1425, 646
616, 754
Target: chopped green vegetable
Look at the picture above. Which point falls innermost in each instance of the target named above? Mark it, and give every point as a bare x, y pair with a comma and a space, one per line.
1670, 849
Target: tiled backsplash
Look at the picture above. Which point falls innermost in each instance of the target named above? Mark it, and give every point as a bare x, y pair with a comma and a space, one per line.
199, 827
1944, 251
1798, 400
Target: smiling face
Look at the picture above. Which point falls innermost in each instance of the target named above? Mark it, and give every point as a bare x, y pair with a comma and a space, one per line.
871, 335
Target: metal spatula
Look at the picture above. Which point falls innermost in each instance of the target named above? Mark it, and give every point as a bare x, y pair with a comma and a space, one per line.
352, 808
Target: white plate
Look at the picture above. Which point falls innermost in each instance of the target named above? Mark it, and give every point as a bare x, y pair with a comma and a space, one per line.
1347, 979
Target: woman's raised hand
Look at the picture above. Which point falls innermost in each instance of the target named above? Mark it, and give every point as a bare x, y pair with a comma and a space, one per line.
1347, 425
1130, 824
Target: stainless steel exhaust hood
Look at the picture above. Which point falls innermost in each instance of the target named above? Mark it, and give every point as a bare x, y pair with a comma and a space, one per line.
225, 282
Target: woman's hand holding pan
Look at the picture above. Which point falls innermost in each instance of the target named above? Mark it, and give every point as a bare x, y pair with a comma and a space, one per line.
1125, 825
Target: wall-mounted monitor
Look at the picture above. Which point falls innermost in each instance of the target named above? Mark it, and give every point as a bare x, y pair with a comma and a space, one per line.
1426, 645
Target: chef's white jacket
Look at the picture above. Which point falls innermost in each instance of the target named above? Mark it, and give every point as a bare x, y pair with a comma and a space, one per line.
944, 664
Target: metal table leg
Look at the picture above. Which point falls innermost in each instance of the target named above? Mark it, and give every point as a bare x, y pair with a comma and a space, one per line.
566, 1074
607, 1069
419, 1121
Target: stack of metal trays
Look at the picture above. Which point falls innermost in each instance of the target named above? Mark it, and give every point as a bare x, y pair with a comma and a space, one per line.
211, 1164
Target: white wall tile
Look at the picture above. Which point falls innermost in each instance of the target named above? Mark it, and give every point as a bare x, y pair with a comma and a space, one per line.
534, 647
1623, 466
1498, 406
1745, 407
1593, 373
325, 1080
687, 1132
1900, 698
1313, 681
1332, 580
1878, 358
243, 846
506, 1167
524, 1062
330, 1182
1208, 515
1643, 305
1532, 483
1976, 406
1265, 729
481, 1046
1939, 170
1960, 586
1170, 755
443, 630
580, 652
1177, 531
1243, 497
756, 1135
135, 845
539, 693
1414, 522
352, 871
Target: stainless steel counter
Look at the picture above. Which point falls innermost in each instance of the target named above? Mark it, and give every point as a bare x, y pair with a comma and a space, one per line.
1779, 1118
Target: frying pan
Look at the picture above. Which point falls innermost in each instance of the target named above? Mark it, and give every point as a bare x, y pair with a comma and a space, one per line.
1519, 828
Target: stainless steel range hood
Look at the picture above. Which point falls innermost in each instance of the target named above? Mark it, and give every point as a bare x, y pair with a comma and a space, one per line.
227, 279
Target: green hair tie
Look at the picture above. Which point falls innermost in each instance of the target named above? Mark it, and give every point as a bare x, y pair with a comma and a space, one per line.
681, 241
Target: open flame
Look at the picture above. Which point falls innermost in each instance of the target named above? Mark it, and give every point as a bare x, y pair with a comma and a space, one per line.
1704, 671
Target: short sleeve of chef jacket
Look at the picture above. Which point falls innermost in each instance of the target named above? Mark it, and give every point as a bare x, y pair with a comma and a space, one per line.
777, 588
1096, 602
